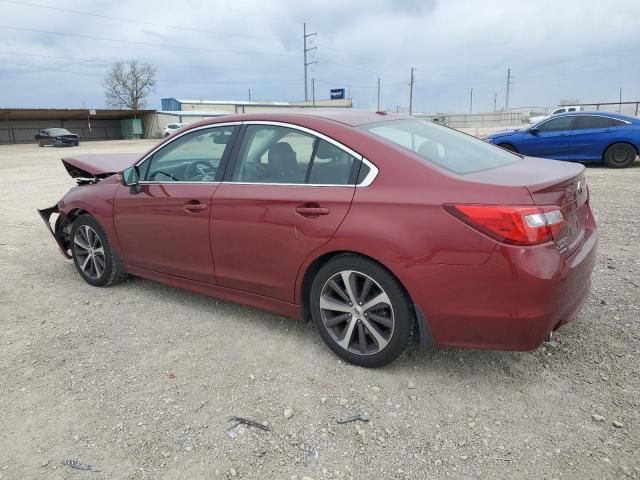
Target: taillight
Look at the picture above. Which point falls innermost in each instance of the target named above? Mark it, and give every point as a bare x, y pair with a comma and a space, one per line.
511, 224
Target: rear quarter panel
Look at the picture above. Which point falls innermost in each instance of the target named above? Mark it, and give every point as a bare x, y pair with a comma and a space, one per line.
400, 221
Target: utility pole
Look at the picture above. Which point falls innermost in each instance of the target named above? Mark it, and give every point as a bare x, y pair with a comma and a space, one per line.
471, 102
378, 94
306, 64
313, 91
506, 101
620, 99
249, 93
495, 100
411, 92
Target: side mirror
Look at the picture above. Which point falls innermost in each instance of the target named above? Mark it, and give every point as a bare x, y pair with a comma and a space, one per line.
131, 176
534, 131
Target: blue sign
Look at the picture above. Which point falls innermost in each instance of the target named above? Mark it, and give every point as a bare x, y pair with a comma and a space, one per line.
337, 93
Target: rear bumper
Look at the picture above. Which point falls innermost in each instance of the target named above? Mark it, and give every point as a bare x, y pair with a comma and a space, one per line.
513, 301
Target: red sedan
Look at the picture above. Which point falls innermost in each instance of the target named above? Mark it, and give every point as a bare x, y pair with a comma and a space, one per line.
377, 227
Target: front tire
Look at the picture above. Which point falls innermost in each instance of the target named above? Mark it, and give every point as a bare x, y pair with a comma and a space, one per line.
93, 256
620, 155
40, 143
361, 311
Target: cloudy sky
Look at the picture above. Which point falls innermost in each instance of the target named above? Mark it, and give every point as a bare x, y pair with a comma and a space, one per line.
55, 53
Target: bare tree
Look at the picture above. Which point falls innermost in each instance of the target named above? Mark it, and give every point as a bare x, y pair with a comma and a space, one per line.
126, 85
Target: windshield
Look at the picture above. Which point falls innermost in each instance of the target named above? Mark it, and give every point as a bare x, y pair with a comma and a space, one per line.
445, 147
58, 131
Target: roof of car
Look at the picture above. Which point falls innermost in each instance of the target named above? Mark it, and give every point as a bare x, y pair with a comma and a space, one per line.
346, 116
599, 113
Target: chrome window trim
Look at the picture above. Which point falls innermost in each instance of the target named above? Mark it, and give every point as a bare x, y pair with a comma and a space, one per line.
368, 180
581, 114
603, 116
177, 182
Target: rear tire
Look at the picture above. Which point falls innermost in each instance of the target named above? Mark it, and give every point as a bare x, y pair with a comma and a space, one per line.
620, 155
508, 146
92, 254
368, 323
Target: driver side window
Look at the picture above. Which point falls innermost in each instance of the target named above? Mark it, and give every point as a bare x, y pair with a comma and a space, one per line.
193, 157
555, 125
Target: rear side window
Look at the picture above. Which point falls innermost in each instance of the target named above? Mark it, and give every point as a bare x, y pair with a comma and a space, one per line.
452, 150
271, 154
586, 122
274, 154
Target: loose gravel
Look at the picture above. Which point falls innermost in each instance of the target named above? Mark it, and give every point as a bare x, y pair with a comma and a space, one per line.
139, 380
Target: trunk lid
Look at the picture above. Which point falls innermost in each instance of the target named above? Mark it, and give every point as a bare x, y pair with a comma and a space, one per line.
550, 183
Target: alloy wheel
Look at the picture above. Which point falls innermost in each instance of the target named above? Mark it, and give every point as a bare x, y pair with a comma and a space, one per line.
357, 312
89, 252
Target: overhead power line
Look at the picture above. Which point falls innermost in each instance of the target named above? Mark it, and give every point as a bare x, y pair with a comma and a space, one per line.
109, 61
140, 22
228, 82
351, 85
147, 44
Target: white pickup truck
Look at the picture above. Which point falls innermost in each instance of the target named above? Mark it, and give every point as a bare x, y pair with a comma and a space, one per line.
568, 108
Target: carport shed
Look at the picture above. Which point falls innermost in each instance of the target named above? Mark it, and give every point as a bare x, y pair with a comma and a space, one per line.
20, 125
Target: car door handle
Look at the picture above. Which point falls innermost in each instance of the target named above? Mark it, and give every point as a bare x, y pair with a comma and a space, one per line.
195, 206
312, 210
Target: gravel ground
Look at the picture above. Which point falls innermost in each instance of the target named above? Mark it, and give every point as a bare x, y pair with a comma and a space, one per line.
139, 380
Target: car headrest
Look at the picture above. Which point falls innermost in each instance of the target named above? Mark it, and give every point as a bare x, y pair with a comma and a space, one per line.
429, 150
324, 150
282, 158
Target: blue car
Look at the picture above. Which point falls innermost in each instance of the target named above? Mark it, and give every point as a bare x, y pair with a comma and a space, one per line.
580, 136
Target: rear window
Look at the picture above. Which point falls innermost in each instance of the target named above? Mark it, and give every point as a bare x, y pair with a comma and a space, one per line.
452, 150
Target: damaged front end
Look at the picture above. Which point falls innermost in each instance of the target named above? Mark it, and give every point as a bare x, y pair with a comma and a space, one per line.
60, 229
83, 177
90, 172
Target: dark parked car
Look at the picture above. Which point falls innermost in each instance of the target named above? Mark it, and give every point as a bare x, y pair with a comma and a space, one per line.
581, 136
378, 227
60, 137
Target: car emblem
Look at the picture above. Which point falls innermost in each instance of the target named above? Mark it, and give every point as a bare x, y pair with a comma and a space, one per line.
580, 187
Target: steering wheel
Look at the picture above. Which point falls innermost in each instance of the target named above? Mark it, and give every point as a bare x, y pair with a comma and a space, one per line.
199, 168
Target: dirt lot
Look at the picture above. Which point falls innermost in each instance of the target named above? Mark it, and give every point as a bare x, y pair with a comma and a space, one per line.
139, 380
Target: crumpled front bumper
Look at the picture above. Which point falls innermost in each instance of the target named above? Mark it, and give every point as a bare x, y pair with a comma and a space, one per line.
45, 214
63, 142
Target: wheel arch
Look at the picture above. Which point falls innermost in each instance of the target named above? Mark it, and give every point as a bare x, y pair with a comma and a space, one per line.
422, 332
510, 144
625, 141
